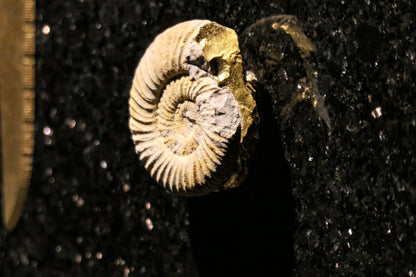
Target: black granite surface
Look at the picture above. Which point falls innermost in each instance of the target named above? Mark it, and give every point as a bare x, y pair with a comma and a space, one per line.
314, 204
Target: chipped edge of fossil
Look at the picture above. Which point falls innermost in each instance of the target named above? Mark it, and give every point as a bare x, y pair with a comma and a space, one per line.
231, 74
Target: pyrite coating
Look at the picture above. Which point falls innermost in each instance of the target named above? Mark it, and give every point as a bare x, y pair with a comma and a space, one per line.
192, 113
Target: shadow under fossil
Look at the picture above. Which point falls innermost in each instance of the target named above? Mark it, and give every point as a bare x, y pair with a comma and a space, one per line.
248, 231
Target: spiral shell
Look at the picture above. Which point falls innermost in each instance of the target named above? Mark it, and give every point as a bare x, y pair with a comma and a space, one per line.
192, 114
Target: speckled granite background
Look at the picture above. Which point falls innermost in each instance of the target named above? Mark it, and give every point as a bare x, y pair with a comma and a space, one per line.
313, 205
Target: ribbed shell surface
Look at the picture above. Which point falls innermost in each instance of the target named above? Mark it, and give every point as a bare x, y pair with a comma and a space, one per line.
185, 127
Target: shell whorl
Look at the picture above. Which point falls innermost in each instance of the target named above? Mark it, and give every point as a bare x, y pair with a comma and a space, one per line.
190, 109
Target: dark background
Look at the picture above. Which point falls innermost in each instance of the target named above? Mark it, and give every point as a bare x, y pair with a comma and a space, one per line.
313, 205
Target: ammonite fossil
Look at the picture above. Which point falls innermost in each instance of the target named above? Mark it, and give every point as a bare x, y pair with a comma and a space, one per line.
192, 113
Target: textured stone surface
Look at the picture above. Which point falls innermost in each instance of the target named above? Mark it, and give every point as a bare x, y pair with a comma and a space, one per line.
347, 209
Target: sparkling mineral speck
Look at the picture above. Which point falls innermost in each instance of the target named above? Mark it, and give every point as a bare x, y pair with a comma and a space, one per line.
149, 224
80, 202
78, 258
126, 187
71, 123
119, 261
46, 29
376, 113
103, 164
47, 131
99, 255
48, 171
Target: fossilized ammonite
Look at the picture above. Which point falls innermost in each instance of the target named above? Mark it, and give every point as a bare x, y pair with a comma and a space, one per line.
192, 113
